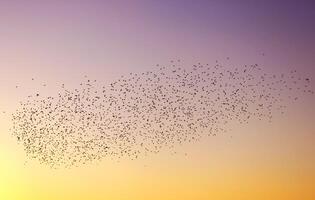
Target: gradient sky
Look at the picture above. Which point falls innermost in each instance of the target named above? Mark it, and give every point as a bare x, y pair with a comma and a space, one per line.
60, 41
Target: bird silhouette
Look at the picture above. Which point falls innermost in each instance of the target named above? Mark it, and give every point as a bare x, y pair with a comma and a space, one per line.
142, 113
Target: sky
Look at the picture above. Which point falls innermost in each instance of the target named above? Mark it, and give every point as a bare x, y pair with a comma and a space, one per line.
59, 41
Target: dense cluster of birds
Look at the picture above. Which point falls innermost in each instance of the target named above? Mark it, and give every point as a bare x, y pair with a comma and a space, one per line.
142, 113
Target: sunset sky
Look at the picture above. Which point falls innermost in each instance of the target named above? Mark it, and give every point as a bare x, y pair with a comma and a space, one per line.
61, 41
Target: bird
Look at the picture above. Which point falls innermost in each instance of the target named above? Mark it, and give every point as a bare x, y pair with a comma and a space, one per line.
139, 114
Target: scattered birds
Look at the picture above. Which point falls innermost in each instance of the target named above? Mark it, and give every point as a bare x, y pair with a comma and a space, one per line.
142, 113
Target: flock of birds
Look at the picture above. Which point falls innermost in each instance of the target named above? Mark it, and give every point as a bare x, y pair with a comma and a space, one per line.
142, 113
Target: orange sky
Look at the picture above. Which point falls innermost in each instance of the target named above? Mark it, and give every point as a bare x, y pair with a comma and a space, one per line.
61, 42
